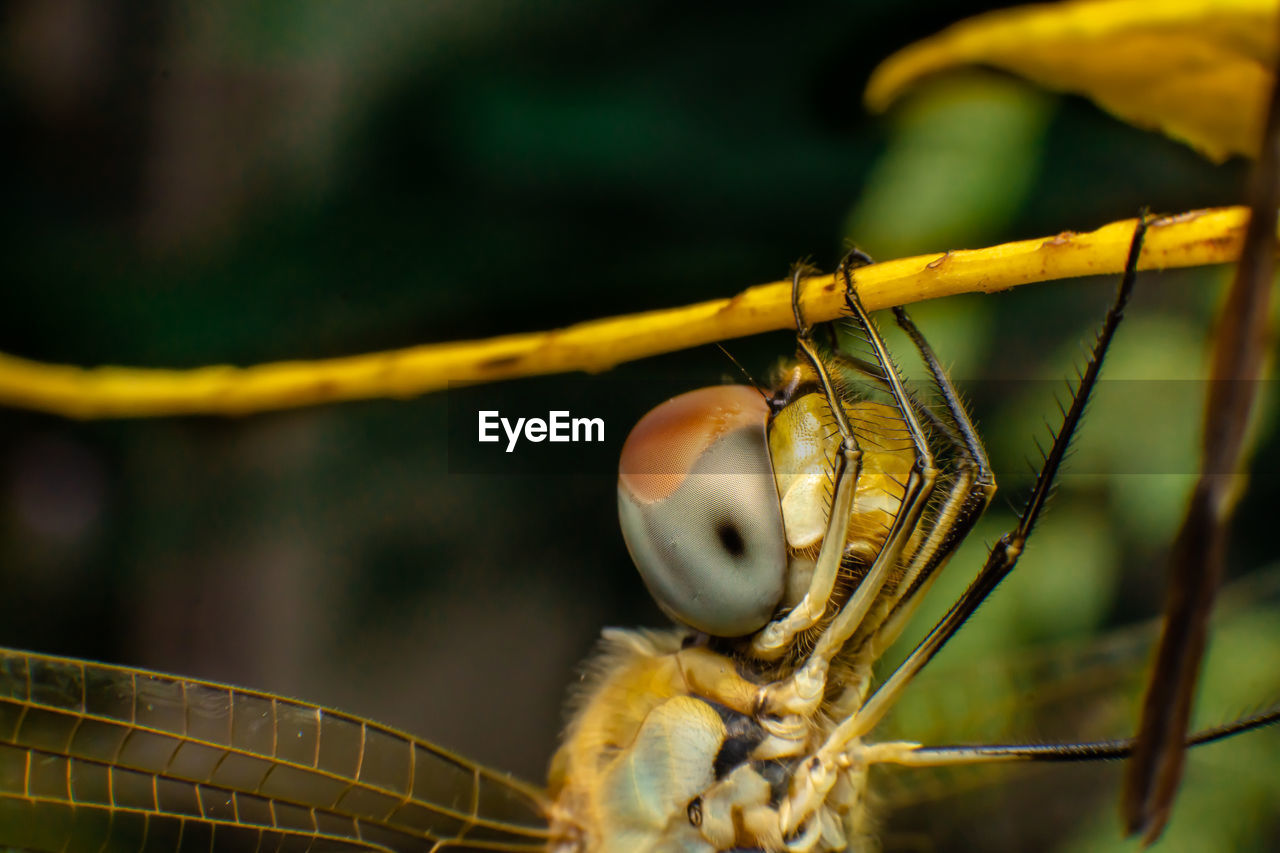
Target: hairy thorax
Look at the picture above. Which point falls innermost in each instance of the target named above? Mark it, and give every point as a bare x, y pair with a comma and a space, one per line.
666, 751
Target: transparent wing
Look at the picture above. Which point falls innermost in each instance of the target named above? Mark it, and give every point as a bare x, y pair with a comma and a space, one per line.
1062, 692
1068, 691
106, 758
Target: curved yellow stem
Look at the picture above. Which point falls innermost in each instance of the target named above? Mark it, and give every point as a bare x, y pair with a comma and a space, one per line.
1190, 239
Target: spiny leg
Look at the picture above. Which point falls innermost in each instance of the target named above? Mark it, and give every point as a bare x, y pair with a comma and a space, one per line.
819, 773
968, 498
1004, 556
785, 705
777, 636
916, 491
967, 494
915, 755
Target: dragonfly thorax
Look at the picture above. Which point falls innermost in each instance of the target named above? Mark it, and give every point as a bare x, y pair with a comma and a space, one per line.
664, 752
803, 444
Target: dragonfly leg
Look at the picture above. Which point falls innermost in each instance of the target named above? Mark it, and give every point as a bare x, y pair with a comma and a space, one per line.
777, 636
819, 772
799, 695
969, 495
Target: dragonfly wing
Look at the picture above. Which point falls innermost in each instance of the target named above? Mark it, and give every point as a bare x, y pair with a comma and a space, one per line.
96, 757
1059, 692
1069, 691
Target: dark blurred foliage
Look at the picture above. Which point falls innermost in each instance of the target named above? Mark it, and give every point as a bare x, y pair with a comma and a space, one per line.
194, 184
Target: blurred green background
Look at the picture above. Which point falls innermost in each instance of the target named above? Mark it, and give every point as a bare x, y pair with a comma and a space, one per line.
244, 182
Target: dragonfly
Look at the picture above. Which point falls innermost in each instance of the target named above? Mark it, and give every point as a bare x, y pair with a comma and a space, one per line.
767, 692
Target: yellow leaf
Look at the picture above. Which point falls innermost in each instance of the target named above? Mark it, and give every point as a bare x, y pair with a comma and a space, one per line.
1198, 70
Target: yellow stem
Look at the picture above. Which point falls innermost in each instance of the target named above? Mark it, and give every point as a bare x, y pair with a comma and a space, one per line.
1190, 239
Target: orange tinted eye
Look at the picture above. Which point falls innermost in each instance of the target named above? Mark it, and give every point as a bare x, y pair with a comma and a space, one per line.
664, 446
699, 510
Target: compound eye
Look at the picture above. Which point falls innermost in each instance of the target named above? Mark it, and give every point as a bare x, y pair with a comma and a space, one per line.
700, 512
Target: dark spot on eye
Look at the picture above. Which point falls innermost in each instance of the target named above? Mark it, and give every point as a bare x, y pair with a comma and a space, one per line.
731, 539
695, 811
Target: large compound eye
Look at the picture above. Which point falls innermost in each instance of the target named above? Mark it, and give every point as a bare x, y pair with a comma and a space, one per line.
700, 510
